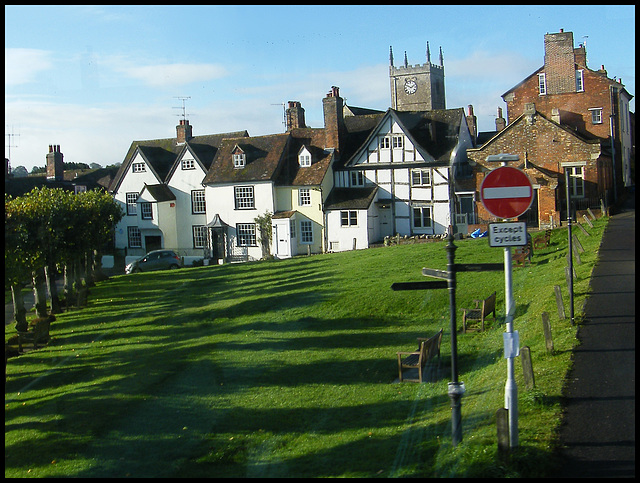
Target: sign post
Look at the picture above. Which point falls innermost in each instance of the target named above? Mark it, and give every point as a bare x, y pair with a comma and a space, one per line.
506, 193
456, 389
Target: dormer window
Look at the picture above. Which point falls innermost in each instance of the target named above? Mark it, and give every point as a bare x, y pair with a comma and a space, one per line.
304, 157
239, 158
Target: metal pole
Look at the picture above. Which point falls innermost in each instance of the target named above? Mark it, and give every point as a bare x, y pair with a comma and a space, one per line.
568, 191
510, 388
456, 389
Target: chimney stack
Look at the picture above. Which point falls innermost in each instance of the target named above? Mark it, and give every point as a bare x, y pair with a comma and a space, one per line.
295, 116
500, 121
472, 123
559, 63
332, 106
183, 132
55, 164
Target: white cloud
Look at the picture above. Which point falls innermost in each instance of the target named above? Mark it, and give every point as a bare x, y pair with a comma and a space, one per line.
169, 75
22, 66
481, 65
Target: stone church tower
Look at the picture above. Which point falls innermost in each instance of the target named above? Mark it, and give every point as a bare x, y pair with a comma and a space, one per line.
417, 87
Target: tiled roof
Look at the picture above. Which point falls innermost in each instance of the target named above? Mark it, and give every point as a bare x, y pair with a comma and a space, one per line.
162, 153
292, 174
350, 198
263, 159
160, 192
436, 131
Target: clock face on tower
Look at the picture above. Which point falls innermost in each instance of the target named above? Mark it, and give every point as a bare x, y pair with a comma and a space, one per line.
410, 86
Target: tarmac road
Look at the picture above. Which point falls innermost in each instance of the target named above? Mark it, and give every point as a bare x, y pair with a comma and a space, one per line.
598, 431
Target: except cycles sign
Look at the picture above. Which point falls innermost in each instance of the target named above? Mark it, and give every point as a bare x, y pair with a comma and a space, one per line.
506, 192
507, 234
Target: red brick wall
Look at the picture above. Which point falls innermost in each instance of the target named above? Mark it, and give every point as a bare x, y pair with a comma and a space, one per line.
544, 144
574, 107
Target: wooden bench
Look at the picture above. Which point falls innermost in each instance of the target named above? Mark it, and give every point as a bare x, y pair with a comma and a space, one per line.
39, 332
543, 241
479, 313
427, 350
521, 255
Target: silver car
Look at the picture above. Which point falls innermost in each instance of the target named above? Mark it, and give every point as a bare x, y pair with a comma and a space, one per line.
155, 260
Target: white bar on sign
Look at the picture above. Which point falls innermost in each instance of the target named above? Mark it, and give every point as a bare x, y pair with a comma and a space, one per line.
506, 192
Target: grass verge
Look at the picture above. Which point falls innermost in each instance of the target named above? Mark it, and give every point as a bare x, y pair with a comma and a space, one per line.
287, 368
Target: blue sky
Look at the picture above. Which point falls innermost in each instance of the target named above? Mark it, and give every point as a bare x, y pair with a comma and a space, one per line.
94, 78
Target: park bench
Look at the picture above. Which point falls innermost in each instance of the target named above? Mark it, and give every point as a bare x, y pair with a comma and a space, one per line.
479, 313
543, 241
521, 255
427, 350
40, 332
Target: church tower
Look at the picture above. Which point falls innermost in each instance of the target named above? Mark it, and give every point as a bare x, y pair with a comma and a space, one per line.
417, 87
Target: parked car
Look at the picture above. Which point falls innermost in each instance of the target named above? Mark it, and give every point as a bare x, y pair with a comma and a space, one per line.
155, 260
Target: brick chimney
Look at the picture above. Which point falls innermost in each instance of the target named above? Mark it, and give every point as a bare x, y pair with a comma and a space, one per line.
334, 128
55, 164
500, 121
472, 123
559, 62
183, 131
580, 54
295, 116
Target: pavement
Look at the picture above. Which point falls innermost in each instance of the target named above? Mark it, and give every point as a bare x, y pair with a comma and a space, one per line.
598, 431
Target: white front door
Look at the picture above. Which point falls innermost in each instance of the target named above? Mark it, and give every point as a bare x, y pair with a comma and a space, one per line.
282, 239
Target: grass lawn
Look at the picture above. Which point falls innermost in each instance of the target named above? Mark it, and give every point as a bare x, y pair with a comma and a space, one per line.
287, 368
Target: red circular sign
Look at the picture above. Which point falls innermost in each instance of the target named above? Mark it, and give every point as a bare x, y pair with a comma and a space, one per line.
506, 192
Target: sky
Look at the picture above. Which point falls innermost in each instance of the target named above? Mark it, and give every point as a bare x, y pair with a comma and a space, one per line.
92, 79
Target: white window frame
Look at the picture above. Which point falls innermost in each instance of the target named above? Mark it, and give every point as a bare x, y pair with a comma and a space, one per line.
138, 168
357, 178
246, 235
304, 197
198, 202
542, 84
146, 210
304, 158
306, 232
421, 218
397, 141
244, 197
199, 236
576, 180
385, 142
596, 115
188, 164
134, 237
421, 177
580, 80
132, 209
239, 160
348, 218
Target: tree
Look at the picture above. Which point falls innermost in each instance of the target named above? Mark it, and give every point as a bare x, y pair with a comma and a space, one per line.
263, 223
48, 227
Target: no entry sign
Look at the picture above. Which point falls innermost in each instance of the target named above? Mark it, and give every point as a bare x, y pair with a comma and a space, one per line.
506, 192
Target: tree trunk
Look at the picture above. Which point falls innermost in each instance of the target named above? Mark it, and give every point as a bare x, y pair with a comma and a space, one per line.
80, 286
39, 292
69, 293
51, 272
89, 269
19, 311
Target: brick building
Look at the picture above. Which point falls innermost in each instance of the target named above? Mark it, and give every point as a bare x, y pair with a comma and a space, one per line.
545, 148
585, 100
564, 116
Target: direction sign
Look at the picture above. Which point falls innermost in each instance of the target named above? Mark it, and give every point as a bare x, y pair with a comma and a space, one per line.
506, 192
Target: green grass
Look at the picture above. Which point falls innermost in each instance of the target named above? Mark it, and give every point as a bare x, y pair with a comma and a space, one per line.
287, 368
